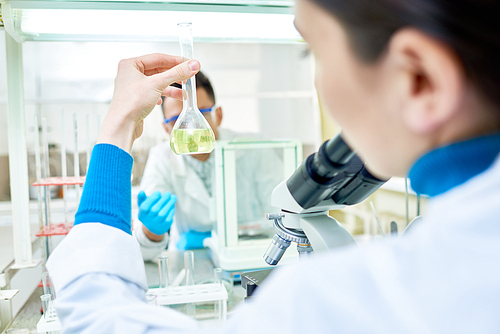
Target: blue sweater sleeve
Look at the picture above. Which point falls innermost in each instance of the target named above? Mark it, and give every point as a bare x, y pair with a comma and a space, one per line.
106, 196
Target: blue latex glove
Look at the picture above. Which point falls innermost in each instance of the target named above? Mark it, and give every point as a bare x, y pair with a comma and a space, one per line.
156, 212
192, 240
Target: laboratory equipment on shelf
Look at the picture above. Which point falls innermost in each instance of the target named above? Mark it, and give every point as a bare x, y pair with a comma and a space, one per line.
44, 180
191, 133
246, 172
329, 179
190, 294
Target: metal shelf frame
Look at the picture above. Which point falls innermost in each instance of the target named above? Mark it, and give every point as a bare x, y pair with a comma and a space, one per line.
12, 9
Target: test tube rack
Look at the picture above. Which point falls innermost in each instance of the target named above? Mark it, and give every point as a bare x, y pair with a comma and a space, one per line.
49, 321
51, 229
198, 293
44, 180
44, 326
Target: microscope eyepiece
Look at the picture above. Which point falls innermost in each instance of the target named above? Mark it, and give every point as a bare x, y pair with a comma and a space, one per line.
319, 174
332, 158
327, 172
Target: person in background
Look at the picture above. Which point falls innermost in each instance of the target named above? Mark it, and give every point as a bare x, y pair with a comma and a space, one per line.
415, 87
181, 188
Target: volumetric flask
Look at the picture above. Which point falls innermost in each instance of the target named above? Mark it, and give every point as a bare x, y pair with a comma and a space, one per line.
191, 133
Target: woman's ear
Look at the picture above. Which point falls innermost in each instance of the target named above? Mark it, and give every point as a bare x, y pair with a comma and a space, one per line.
436, 81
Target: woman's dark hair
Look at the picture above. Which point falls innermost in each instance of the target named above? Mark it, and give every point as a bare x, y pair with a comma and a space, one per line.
470, 27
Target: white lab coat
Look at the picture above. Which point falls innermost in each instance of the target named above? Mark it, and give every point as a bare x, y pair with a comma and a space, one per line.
444, 277
195, 207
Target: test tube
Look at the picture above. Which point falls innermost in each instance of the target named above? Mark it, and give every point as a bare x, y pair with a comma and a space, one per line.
218, 303
218, 276
38, 169
76, 160
87, 131
189, 267
163, 272
64, 170
46, 284
48, 312
46, 170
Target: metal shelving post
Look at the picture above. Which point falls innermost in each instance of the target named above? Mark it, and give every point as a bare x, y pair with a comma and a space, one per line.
18, 156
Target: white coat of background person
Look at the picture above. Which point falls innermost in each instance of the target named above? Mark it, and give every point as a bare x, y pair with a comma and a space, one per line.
421, 99
191, 178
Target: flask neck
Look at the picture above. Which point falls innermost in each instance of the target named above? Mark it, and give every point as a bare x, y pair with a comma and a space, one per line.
188, 87
189, 94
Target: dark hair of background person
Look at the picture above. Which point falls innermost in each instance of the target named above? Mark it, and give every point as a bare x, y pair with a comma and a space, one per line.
202, 81
470, 27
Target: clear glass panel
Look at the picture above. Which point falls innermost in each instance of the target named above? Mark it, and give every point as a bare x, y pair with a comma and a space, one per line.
258, 172
247, 173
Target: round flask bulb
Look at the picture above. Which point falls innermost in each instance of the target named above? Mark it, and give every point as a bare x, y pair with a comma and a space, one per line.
191, 134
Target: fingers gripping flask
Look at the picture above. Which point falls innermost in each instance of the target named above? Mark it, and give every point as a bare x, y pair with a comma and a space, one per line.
191, 133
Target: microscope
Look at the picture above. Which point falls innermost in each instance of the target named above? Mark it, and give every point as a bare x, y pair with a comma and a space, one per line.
330, 179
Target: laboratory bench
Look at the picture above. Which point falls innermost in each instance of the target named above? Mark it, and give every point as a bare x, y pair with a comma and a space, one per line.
28, 317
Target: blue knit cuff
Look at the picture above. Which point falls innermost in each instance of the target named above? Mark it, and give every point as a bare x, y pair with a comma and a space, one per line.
106, 197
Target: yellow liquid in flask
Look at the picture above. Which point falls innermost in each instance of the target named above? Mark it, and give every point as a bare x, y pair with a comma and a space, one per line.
192, 141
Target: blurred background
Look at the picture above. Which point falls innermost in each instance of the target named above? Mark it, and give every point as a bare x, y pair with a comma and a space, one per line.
264, 89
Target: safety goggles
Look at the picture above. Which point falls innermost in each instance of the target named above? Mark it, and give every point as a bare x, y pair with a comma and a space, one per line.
173, 119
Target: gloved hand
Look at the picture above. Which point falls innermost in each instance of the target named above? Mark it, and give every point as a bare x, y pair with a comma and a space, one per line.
156, 212
192, 240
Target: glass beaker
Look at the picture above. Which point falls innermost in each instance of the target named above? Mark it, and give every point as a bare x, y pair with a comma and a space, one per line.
191, 133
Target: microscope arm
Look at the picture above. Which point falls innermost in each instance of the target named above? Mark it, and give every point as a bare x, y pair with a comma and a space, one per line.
325, 232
